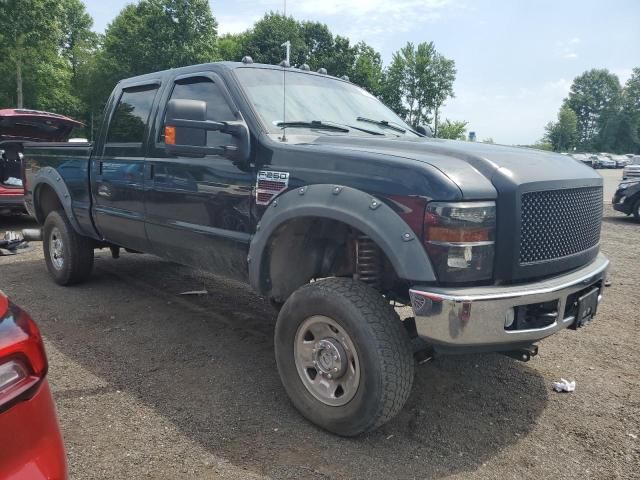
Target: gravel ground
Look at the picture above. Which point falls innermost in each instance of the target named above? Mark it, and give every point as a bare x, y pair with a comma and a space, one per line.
150, 384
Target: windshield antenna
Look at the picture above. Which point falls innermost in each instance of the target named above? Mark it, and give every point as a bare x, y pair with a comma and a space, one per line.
285, 64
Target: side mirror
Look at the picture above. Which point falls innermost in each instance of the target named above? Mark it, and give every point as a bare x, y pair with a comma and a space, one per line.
424, 130
186, 130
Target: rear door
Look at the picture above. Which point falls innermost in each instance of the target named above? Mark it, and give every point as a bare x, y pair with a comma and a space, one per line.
118, 170
199, 209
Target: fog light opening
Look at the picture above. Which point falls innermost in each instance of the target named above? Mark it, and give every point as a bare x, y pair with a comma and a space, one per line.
509, 318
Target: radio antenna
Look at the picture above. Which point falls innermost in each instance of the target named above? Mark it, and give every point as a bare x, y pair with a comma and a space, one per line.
285, 64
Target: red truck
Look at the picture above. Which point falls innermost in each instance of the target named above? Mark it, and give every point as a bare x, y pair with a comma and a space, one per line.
16, 127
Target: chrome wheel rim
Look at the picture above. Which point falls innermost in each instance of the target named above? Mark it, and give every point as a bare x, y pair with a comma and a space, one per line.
326, 361
56, 249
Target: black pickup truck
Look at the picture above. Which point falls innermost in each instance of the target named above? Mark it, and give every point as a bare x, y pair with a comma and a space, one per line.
333, 209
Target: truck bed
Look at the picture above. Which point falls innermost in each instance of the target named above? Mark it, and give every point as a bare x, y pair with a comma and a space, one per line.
70, 161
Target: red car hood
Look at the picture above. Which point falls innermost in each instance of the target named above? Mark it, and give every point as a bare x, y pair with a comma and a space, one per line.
35, 126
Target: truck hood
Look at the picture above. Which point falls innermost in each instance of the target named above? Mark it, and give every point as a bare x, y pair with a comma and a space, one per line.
35, 126
480, 170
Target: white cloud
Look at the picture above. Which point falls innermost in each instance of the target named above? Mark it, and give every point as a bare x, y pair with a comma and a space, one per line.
571, 55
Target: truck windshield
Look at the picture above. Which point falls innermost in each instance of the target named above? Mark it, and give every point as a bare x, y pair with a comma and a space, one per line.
316, 98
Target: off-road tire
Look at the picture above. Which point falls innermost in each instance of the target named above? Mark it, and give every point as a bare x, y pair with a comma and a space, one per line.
78, 251
381, 342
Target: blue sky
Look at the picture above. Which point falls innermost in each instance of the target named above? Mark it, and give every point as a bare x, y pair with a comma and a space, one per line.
515, 59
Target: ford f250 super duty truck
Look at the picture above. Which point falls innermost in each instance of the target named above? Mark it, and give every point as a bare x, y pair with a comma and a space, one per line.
332, 209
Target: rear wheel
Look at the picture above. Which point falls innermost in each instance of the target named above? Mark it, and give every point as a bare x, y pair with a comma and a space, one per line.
69, 256
343, 355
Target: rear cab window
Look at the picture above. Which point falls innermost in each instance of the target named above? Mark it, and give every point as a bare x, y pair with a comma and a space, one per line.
131, 116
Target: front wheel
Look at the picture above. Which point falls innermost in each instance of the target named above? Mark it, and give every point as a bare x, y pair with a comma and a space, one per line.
343, 355
68, 255
636, 210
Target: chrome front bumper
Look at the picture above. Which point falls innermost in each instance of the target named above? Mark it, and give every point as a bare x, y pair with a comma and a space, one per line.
475, 316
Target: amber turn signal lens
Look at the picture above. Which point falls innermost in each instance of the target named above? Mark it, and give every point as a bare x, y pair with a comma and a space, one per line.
170, 135
458, 235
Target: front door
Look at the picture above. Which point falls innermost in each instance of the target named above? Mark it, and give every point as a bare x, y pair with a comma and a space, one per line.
118, 172
198, 210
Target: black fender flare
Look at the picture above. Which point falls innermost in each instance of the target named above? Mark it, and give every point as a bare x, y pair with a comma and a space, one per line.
50, 176
356, 208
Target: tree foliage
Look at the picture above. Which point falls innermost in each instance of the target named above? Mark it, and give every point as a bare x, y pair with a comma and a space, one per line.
563, 134
595, 98
607, 116
453, 130
312, 43
418, 82
51, 59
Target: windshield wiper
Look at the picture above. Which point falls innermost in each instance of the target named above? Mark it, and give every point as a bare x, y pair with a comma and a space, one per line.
316, 124
382, 123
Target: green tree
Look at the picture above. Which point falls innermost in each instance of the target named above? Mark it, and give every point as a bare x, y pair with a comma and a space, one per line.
154, 35
264, 42
79, 41
232, 46
367, 68
453, 130
418, 82
595, 98
563, 134
29, 34
444, 74
628, 125
311, 43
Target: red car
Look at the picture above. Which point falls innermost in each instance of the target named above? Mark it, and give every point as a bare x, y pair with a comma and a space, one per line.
30, 441
16, 127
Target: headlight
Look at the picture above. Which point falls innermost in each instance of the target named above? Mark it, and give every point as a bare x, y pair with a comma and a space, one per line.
460, 240
624, 185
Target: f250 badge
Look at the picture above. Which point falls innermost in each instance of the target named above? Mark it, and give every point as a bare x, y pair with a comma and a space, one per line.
269, 184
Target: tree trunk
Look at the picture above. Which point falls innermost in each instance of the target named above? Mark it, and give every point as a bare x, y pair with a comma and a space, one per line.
19, 99
435, 122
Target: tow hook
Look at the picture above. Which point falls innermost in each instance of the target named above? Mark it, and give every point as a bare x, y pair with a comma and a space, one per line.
523, 354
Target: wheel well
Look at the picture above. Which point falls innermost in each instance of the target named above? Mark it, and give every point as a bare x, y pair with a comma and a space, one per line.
46, 201
307, 248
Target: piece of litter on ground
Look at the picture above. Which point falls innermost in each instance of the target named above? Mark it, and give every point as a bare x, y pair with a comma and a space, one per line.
564, 385
607, 283
390, 437
195, 292
633, 435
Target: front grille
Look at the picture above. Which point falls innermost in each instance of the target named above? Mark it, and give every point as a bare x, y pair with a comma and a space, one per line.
559, 223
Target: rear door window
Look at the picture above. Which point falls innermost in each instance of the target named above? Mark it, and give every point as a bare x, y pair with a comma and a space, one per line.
130, 118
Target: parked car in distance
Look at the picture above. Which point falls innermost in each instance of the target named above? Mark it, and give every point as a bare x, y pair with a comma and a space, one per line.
30, 441
633, 169
584, 158
330, 215
603, 161
621, 160
627, 198
16, 127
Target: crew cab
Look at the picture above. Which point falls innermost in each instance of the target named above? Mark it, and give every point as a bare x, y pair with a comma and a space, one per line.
16, 127
331, 207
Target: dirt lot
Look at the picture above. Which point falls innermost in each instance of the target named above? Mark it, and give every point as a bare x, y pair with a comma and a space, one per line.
149, 384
